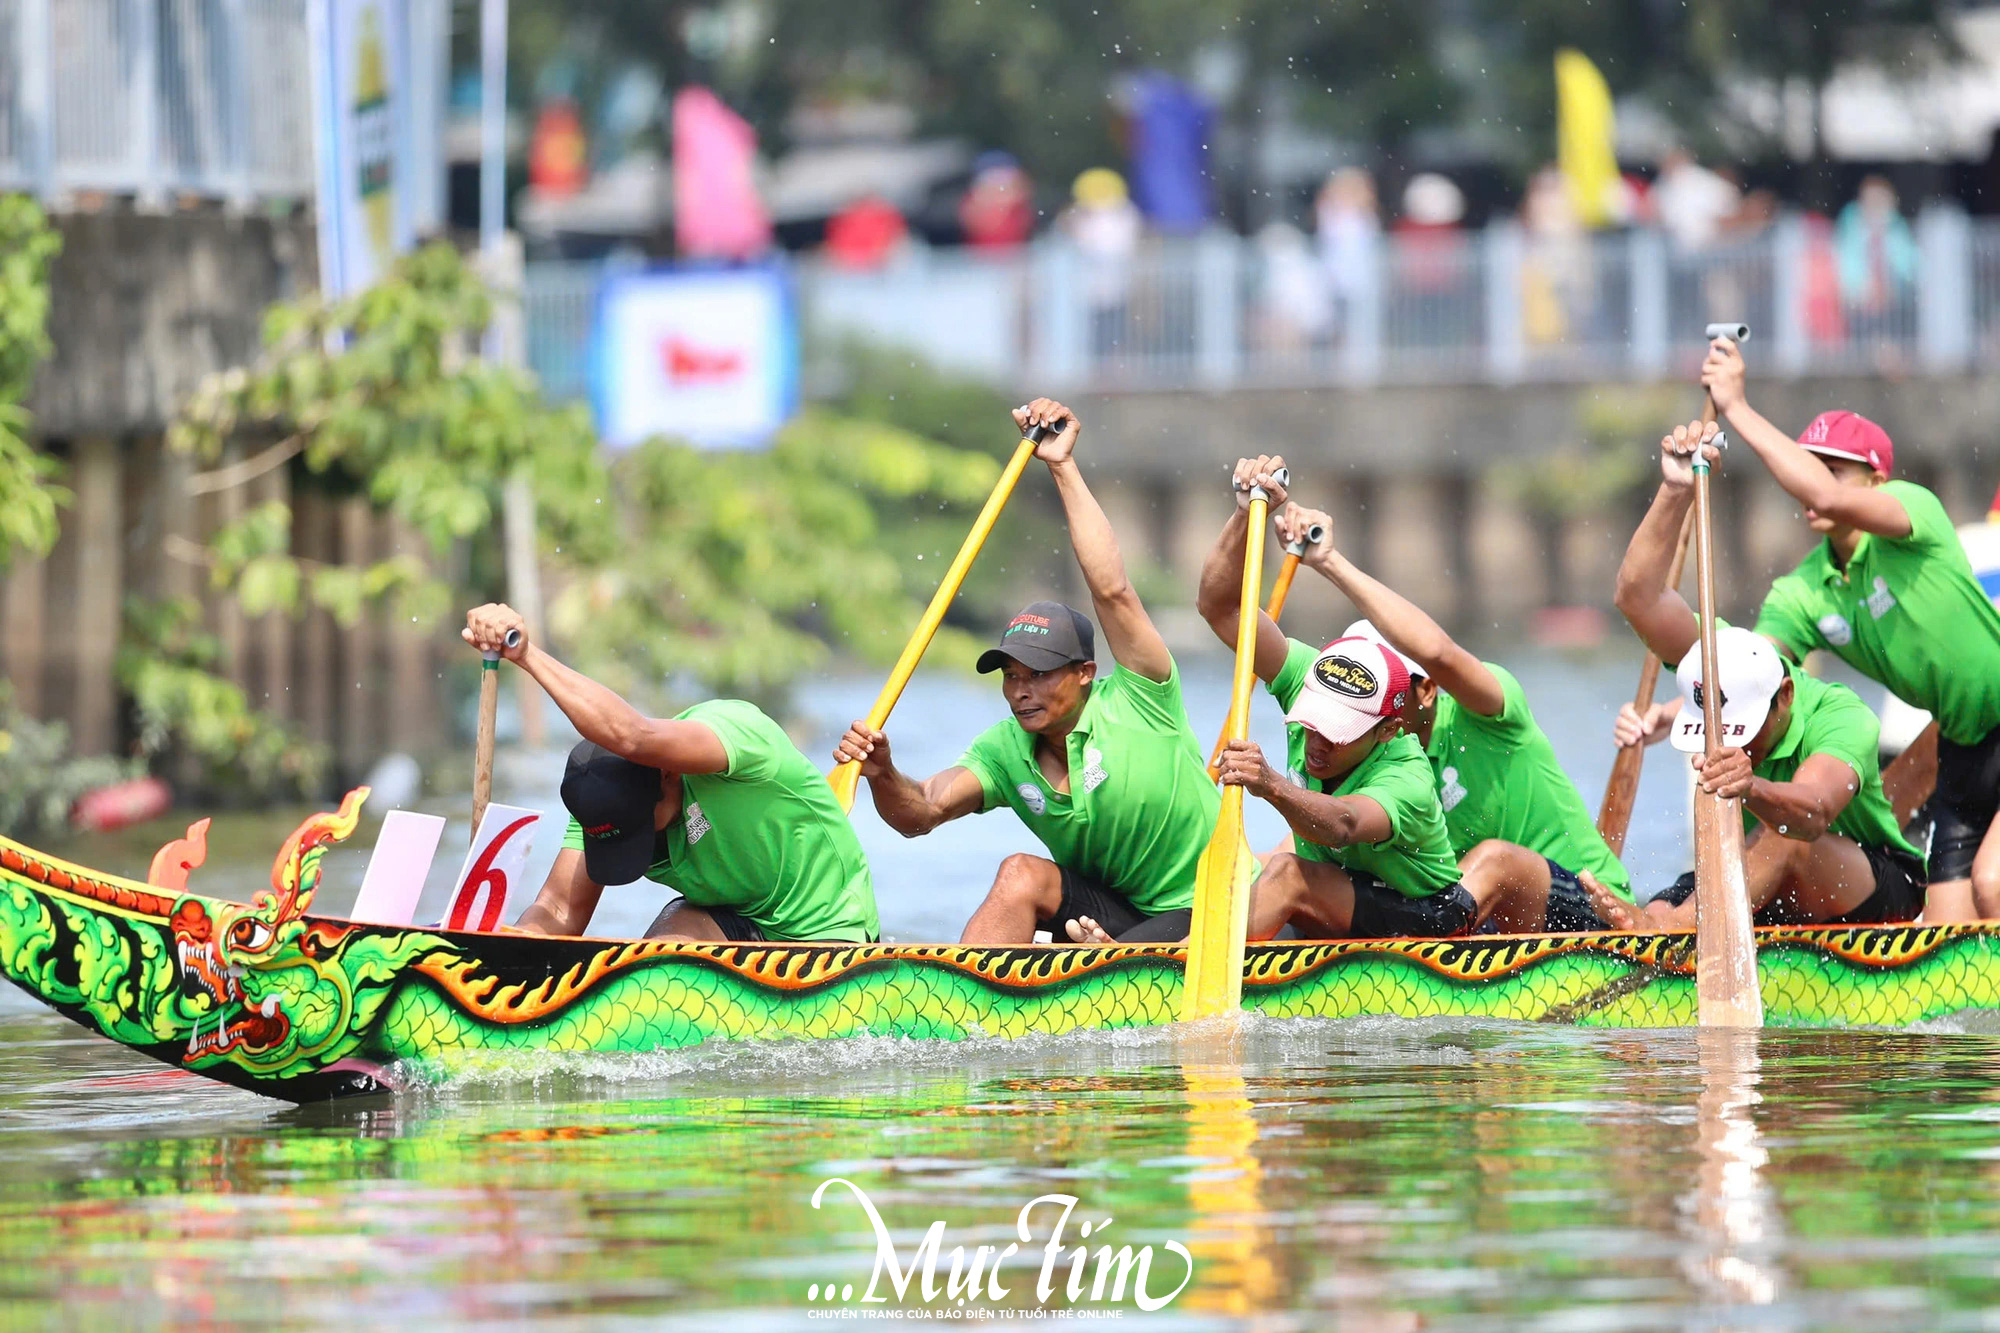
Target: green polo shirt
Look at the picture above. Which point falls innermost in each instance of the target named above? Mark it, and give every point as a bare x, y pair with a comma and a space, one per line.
1906, 611
1828, 718
764, 837
1416, 859
1140, 808
1498, 778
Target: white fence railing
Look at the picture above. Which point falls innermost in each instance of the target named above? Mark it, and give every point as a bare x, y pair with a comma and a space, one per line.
1494, 306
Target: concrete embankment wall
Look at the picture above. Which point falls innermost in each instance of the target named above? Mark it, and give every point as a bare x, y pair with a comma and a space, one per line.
143, 307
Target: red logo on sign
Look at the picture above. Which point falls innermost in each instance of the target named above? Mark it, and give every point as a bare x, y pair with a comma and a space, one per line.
688, 364
489, 877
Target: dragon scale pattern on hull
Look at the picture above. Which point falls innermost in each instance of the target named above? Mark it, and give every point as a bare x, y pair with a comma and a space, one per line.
266, 997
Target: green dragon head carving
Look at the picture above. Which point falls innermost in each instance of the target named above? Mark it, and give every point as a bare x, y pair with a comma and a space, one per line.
277, 996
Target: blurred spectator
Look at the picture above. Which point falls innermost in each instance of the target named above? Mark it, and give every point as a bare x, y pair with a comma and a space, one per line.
1877, 256
1294, 310
1691, 201
1169, 127
1350, 242
556, 164
865, 234
1437, 291
998, 210
718, 213
1556, 275
1105, 227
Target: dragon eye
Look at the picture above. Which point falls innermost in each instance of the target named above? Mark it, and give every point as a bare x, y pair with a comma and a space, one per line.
249, 933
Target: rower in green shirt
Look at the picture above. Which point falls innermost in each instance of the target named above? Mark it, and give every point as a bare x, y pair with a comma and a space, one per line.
1800, 753
1106, 772
1890, 591
1518, 827
1372, 858
716, 803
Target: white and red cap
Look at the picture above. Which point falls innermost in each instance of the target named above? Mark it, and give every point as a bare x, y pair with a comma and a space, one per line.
1844, 434
1751, 673
1365, 629
1354, 683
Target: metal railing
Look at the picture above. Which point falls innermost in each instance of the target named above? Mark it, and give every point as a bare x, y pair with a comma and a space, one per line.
152, 98
1494, 306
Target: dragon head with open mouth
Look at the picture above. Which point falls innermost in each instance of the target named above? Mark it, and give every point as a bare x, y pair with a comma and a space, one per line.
260, 979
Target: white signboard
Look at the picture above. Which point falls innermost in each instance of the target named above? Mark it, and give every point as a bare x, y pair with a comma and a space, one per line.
709, 356
397, 868
362, 138
494, 865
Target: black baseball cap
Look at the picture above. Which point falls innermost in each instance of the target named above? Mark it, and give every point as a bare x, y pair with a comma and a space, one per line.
1044, 636
613, 798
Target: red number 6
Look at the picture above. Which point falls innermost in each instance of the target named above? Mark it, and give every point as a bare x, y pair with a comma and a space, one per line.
485, 875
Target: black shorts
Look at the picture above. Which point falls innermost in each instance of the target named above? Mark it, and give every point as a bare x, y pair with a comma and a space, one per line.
1083, 896
1964, 804
734, 926
1569, 906
1381, 913
1898, 896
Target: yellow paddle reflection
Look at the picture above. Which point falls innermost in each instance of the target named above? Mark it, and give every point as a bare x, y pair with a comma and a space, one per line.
1236, 1270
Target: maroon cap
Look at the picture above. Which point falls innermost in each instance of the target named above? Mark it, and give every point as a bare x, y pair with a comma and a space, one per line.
1850, 435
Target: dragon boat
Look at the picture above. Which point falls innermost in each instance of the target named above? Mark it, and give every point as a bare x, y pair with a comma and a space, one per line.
270, 997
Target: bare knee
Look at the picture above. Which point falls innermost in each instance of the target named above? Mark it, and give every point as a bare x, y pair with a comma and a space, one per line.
1494, 859
1282, 883
1028, 880
1986, 887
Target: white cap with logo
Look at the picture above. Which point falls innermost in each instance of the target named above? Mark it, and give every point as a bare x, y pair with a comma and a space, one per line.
1365, 629
1751, 672
1353, 684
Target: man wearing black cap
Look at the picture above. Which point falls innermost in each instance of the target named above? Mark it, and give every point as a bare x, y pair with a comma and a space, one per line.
1107, 773
716, 802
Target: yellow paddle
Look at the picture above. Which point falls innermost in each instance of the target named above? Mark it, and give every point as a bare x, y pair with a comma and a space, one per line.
1214, 980
1725, 978
1281, 588
845, 777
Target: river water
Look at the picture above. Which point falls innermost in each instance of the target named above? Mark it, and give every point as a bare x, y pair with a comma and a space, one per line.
1374, 1174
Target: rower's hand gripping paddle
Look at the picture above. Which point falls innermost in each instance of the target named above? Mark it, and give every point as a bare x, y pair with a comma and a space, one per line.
1213, 983
1281, 588
846, 777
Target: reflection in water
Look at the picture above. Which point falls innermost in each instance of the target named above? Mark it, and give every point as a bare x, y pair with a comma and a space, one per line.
1372, 1175
1234, 1272
1734, 1216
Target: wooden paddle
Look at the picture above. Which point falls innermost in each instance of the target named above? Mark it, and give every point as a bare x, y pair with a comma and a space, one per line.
846, 777
1614, 815
1911, 776
1726, 993
1214, 979
1281, 588
489, 711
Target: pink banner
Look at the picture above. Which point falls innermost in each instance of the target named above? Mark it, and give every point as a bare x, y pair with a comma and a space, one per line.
717, 214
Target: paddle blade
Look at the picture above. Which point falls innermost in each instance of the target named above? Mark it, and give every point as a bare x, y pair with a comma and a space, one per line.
1726, 993
1214, 983
844, 779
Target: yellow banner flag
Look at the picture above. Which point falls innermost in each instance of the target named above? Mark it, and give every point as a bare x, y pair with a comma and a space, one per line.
1585, 139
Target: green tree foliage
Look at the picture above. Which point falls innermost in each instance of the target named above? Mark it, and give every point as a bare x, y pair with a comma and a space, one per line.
29, 495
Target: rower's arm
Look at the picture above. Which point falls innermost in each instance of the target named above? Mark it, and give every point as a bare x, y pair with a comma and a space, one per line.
567, 901
1804, 808
599, 715
1330, 821
1803, 475
1218, 598
914, 808
1414, 634
1646, 596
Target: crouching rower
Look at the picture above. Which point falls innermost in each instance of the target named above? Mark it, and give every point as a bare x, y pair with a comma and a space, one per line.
1518, 827
1800, 753
715, 802
1107, 772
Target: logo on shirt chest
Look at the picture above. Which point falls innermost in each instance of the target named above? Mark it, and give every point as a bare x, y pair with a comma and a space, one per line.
1033, 797
1833, 627
1093, 768
1450, 790
1881, 601
697, 824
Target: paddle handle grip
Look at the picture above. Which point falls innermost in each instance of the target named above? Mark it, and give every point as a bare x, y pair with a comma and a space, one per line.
1736, 333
